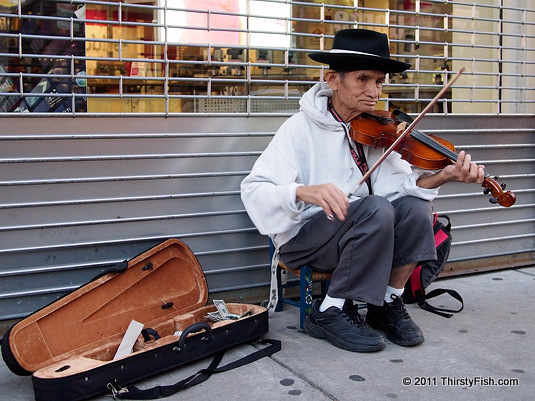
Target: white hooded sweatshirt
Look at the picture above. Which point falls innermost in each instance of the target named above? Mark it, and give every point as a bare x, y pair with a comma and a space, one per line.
312, 148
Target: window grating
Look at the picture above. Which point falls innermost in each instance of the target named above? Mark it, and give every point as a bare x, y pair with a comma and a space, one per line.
250, 57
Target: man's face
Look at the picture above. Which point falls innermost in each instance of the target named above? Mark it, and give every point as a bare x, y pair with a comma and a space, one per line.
355, 92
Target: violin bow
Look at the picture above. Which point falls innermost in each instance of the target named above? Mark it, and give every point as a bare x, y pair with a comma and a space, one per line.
407, 131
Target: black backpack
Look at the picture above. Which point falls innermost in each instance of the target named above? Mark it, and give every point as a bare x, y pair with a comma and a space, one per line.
426, 273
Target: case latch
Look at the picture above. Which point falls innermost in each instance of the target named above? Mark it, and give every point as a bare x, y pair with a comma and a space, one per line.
116, 390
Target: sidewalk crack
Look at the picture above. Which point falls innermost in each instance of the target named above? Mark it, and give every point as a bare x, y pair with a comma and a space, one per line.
304, 378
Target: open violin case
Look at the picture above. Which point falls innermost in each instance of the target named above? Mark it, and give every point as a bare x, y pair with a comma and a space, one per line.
70, 346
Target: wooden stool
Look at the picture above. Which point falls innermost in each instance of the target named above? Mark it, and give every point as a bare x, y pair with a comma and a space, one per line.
306, 278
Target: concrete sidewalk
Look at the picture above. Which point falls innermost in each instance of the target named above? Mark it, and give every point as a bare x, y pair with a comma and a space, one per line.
465, 357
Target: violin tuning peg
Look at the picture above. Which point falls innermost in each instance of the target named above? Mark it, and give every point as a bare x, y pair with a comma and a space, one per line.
493, 201
496, 178
503, 185
486, 191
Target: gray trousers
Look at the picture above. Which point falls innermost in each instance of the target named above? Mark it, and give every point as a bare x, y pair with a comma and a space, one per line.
376, 237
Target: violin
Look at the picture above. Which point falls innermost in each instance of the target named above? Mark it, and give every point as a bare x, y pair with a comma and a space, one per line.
380, 130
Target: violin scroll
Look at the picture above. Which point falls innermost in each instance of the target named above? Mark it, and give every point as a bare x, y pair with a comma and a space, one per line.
505, 199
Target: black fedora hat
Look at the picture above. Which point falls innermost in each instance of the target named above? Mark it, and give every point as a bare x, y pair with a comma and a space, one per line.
359, 49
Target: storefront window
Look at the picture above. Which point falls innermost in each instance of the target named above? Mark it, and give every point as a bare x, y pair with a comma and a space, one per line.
420, 33
42, 62
250, 56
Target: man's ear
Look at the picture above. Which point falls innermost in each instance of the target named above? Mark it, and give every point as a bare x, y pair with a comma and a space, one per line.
332, 78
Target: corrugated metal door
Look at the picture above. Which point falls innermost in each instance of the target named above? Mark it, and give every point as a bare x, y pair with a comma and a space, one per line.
79, 194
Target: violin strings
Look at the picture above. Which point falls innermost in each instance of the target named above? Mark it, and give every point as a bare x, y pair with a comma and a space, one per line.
433, 144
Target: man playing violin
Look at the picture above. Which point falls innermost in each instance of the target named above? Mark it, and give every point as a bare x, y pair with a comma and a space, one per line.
301, 193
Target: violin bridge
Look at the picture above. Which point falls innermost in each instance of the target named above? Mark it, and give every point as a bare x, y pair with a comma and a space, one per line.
401, 128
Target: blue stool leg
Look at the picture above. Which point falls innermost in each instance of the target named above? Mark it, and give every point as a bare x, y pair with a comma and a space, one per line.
280, 304
306, 293
324, 287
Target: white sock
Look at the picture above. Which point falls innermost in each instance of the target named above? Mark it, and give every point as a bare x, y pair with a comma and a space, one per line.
328, 302
392, 291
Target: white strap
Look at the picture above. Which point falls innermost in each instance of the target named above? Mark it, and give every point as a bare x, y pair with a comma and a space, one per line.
274, 293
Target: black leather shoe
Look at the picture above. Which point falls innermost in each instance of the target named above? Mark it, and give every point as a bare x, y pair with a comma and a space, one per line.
336, 327
395, 322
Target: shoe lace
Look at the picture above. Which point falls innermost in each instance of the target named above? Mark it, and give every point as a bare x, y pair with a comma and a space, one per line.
398, 307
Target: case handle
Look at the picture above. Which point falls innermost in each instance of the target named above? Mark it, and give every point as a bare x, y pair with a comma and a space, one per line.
194, 328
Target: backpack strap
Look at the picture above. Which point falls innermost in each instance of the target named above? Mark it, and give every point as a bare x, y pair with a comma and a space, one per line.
421, 299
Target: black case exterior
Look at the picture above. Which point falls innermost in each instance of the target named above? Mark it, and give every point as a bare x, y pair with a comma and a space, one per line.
10, 359
198, 339
145, 364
